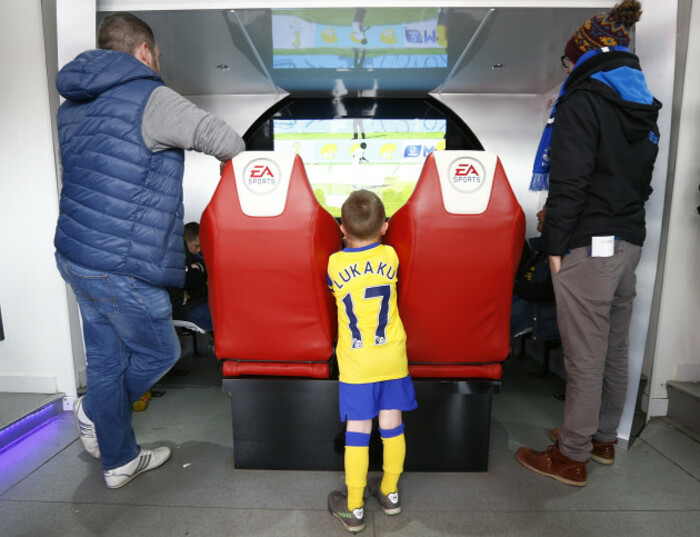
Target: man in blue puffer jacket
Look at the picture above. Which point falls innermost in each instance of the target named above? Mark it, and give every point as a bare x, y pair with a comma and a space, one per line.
119, 242
604, 142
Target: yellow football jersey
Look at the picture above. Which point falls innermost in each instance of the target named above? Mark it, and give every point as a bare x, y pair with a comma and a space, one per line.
371, 337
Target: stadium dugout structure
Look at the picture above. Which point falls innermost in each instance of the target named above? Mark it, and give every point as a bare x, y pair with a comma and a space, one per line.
266, 242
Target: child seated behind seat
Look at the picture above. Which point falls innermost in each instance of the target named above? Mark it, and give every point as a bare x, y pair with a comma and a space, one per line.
372, 358
191, 302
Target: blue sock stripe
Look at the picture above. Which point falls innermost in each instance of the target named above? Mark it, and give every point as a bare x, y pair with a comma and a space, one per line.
391, 433
356, 439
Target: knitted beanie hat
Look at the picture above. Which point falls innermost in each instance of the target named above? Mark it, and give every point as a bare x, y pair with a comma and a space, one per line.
604, 30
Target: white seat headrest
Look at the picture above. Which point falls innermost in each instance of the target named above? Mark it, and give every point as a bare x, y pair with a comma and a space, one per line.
466, 180
262, 181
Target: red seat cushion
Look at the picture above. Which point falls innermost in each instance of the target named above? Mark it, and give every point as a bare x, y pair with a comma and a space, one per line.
456, 271
267, 274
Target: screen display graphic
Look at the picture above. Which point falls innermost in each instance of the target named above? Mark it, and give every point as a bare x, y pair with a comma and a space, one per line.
343, 155
359, 39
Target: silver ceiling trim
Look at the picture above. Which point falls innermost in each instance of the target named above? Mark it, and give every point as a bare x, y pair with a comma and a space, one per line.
176, 5
255, 52
466, 50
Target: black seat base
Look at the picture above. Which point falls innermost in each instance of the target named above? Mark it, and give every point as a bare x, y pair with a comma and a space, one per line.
294, 424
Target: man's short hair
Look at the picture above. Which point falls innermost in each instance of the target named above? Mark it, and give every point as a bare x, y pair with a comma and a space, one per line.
125, 32
363, 215
191, 231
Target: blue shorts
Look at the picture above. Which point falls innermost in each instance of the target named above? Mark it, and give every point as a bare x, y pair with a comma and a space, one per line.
364, 401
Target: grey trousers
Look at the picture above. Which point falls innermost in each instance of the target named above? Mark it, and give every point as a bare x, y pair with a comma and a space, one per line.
594, 308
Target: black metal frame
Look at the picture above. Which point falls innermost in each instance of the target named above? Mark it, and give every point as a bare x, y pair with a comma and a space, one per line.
294, 424
260, 135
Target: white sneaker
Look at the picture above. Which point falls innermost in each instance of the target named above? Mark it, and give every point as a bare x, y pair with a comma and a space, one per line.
86, 429
148, 459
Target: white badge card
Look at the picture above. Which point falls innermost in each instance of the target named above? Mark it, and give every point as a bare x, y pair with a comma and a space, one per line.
603, 246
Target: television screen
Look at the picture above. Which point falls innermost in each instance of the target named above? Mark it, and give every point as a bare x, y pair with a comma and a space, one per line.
359, 39
343, 155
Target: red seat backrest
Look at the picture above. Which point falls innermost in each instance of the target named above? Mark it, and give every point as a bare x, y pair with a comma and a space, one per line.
459, 239
266, 242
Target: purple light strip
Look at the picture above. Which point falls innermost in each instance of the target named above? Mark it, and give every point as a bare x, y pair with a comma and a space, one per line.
28, 425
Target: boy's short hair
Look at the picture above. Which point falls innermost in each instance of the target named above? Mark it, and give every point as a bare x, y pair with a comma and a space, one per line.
363, 215
191, 231
124, 32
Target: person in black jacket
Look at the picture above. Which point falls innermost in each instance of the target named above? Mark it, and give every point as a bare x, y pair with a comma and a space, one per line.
604, 141
190, 303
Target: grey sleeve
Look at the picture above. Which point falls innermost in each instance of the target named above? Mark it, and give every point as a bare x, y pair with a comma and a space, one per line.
171, 121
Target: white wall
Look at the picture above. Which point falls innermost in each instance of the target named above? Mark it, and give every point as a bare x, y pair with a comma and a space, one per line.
36, 355
677, 350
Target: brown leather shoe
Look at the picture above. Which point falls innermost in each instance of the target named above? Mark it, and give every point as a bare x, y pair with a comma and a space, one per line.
554, 464
603, 452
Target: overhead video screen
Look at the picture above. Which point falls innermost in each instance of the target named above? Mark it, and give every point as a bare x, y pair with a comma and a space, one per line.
343, 155
359, 39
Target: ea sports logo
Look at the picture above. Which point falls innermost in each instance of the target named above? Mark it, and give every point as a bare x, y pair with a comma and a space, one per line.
467, 175
261, 176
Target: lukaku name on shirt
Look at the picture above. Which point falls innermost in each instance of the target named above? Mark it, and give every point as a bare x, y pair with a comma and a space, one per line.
351, 271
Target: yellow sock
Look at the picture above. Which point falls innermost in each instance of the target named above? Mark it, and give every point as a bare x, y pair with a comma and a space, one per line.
394, 456
356, 467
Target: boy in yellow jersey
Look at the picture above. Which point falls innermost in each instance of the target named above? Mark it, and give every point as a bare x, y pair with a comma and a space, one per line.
371, 354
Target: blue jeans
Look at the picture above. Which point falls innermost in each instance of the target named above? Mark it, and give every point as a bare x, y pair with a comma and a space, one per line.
130, 343
520, 317
201, 316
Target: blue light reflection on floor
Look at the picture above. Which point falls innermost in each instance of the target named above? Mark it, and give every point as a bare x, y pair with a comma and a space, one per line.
26, 426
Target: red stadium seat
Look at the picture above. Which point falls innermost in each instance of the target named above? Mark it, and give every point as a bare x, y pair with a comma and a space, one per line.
266, 242
459, 239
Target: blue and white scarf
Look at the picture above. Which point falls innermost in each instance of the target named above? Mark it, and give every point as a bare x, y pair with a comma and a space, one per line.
540, 170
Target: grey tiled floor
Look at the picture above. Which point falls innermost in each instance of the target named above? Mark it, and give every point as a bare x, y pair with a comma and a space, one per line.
50, 487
